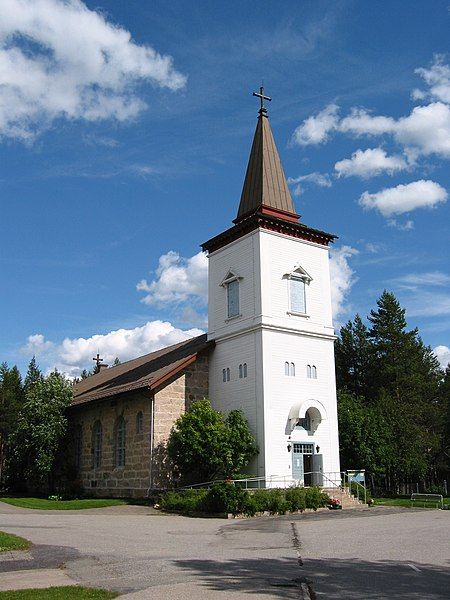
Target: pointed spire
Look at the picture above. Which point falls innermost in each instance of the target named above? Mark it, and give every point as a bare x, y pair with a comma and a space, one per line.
265, 188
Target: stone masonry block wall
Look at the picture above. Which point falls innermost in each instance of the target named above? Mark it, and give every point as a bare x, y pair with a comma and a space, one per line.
137, 476
108, 479
170, 402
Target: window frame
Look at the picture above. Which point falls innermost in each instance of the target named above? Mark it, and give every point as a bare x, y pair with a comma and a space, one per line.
232, 278
120, 443
297, 275
97, 444
139, 422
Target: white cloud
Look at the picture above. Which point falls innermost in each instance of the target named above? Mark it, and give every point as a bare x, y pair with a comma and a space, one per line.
36, 345
404, 198
406, 226
442, 353
320, 179
413, 281
437, 77
59, 59
425, 131
370, 162
316, 129
177, 280
342, 279
73, 355
361, 122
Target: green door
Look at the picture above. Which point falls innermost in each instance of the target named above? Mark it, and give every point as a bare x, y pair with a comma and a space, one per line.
299, 450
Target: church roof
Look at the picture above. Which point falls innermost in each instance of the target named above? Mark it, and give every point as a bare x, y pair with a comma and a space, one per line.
146, 372
265, 184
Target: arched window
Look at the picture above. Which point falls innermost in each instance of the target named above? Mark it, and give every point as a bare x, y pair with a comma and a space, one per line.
97, 442
224, 375
245, 369
228, 374
286, 368
139, 422
308, 371
314, 372
292, 369
241, 372
78, 445
120, 442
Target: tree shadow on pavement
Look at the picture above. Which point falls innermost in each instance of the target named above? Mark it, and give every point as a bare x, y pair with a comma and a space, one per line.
333, 579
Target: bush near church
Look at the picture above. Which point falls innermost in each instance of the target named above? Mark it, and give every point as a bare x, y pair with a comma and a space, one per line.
229, 498
205, 445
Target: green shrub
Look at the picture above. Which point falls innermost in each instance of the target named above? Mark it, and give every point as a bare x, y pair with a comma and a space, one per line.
228, 498
296, 498
184, 501
315, 498
273, 501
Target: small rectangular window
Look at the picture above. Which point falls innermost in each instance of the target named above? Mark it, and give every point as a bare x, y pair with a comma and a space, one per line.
297, 295
233, 298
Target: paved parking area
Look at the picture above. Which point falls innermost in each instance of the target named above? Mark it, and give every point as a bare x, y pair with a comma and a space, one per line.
376, 553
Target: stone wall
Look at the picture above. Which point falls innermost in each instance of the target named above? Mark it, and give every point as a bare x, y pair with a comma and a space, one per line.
144, 467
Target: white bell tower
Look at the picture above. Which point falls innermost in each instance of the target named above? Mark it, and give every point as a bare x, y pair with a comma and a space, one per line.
270, 317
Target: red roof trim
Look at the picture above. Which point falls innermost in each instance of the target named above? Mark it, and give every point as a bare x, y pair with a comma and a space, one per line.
271, 223
158, 382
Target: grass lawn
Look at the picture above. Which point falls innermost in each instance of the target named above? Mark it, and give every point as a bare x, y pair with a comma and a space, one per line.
59, 593
405, 501
8, 541
44, 504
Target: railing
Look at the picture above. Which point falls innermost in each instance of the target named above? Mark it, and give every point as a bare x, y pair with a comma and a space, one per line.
340, 481
437, 499
272, 481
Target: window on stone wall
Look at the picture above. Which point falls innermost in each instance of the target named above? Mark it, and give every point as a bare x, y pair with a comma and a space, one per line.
139, 422
78, 445
120, 442
97, 443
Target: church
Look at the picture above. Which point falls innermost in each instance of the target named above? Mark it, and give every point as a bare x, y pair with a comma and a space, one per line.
269, 351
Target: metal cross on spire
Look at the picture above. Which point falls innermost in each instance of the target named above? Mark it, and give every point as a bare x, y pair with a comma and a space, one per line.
263, 109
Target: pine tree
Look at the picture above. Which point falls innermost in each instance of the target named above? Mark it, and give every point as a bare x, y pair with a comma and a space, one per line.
11, 400
34, 374
353, 352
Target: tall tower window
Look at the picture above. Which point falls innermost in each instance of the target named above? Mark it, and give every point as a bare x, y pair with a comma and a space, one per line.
231, 284
233, 298
297, 281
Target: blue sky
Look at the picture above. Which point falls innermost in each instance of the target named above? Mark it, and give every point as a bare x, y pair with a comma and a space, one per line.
125, 129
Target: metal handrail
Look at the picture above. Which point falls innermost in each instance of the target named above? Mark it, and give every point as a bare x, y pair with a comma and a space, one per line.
358, 484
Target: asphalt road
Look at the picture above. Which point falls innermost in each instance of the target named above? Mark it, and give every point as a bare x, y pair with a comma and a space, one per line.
376, 553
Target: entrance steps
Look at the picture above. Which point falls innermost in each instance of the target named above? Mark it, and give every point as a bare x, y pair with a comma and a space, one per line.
345, 498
